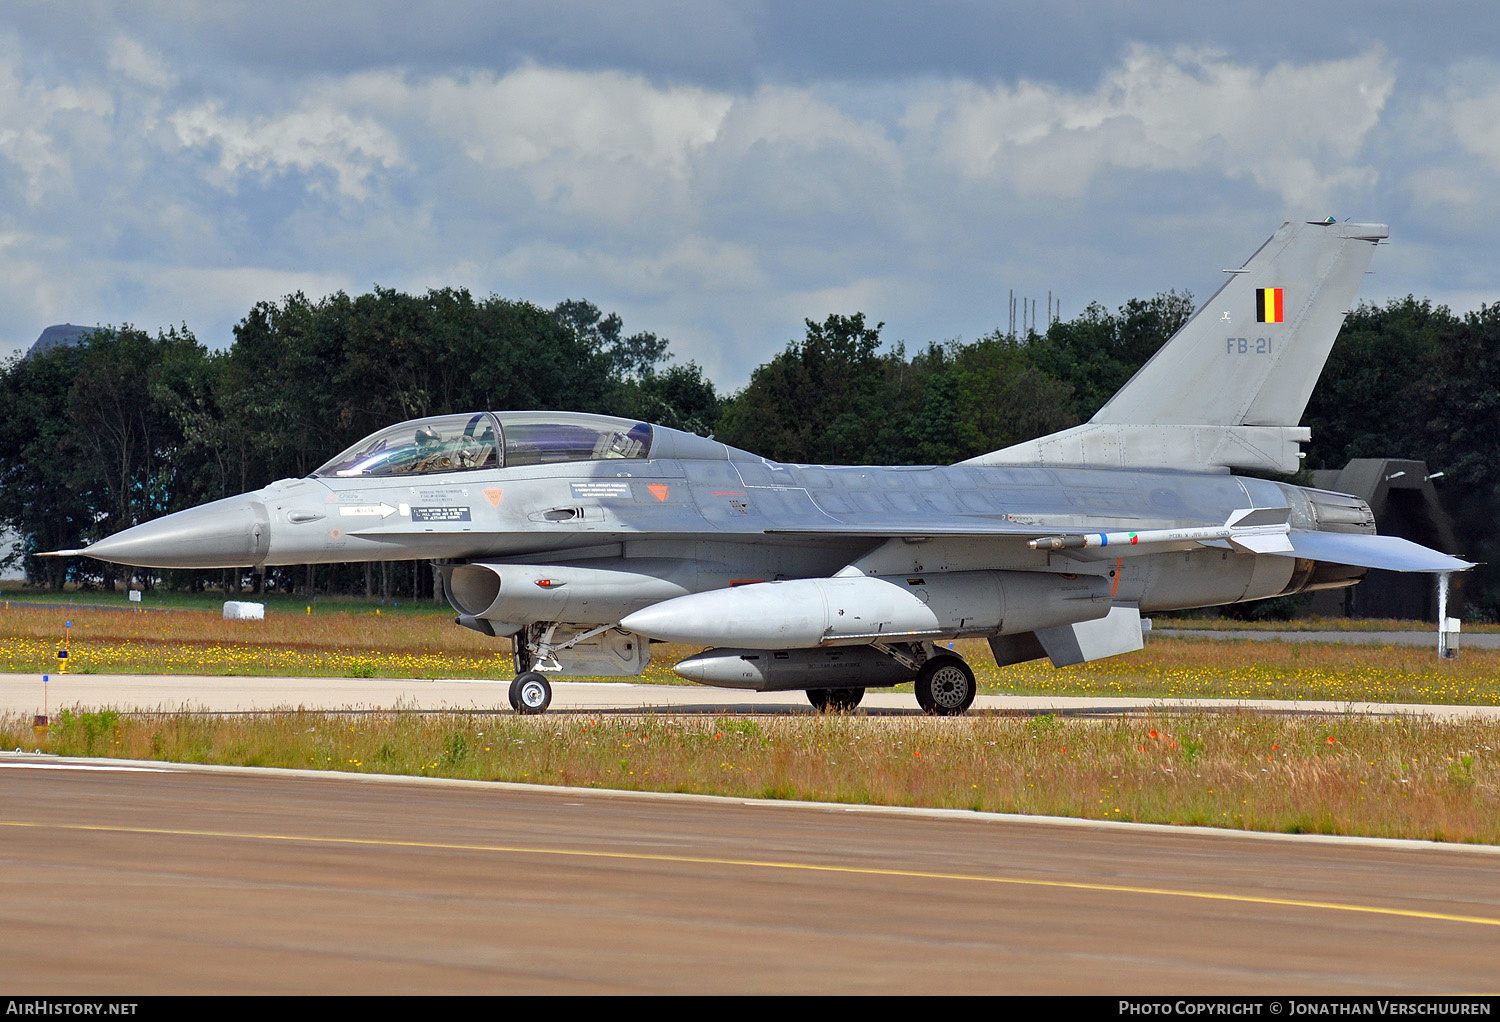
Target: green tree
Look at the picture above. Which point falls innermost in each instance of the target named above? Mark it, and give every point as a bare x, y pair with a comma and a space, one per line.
281, 379
1005, 397
314, 377
678, 397
125, 389
90, 439
43, 485
635, 355
819, 401
1097, 353
1460, 403
1371, 400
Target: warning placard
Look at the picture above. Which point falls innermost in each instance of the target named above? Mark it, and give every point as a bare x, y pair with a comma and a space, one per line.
596, 491
440, 514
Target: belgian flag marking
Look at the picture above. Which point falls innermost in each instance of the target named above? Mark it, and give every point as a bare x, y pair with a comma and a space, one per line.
1268, 305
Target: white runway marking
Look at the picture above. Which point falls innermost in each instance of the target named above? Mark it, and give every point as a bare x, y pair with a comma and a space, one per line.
15, 764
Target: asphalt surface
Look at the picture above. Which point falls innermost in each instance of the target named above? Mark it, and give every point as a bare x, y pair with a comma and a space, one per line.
153, 879
141, 879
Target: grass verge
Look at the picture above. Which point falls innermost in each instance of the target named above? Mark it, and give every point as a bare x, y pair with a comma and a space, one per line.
1349, 774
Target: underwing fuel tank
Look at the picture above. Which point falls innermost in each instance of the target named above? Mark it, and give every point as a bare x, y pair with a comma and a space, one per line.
786, 670
859, 609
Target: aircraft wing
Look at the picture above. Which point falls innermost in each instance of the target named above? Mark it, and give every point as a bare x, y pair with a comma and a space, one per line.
1255, 530
1388, 553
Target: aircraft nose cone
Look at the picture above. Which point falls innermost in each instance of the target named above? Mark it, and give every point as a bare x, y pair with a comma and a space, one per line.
229, 533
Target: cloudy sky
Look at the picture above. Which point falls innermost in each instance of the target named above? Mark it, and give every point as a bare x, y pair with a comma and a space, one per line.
718, 171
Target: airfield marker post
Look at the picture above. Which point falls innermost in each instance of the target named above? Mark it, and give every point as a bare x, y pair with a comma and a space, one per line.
39, 723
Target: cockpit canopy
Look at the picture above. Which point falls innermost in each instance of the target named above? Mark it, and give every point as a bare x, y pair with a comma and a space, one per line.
476, 440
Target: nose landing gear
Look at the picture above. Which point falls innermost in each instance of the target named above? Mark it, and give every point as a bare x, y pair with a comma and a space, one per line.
531, 692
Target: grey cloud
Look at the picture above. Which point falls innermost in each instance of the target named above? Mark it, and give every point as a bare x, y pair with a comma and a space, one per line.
714, 172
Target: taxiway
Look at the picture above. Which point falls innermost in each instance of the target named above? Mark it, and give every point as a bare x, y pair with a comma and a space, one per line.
148, 879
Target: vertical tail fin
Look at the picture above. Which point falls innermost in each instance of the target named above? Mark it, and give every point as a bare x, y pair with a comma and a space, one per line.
1228, 389
1252, 354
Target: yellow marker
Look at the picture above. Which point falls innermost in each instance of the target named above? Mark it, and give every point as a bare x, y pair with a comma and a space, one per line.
377, 611
309, 610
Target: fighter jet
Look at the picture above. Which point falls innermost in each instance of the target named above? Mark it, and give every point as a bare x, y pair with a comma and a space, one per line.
584, 539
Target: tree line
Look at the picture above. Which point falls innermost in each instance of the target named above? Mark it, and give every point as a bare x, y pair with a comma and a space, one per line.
125, 426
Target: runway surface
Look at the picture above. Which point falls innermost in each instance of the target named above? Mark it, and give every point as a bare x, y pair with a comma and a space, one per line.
25, 695
144, 879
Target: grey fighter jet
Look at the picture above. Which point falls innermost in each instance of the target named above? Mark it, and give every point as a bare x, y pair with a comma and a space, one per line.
584, 538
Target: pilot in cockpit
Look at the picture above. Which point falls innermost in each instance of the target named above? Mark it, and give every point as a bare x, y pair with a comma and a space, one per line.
631, 444
430, 451
459, 453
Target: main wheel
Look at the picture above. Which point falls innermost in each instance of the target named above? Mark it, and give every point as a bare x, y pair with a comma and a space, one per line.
530, 693
838, 700
945, 686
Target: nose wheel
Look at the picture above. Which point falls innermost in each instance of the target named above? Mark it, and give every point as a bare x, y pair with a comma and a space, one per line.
945, 686
530, 693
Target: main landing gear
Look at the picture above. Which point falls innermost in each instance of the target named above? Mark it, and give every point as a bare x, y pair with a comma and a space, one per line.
944, 682
945, 686
835, 700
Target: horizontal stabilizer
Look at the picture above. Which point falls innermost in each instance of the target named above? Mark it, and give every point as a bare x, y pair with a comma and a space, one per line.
1387, 553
